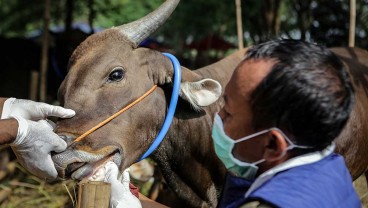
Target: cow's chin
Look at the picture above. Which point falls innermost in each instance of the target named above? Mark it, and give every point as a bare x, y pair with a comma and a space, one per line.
80, 165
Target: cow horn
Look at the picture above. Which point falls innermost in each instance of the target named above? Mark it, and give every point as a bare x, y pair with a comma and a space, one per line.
140, 29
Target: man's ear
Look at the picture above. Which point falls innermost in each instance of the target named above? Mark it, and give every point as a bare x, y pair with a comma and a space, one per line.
276, 146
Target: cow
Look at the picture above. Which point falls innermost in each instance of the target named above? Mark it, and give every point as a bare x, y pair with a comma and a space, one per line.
108, 71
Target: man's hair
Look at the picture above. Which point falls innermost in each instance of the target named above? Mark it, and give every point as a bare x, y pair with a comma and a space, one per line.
307, 94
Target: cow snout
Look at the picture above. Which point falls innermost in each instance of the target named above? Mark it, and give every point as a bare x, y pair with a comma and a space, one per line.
67, 138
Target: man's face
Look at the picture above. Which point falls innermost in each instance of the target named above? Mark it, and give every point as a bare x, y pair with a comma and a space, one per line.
236, 113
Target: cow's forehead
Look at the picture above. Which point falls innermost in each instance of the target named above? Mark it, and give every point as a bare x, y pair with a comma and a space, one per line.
97, 40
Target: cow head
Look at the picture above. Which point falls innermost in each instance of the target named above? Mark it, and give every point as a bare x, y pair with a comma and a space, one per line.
106, 73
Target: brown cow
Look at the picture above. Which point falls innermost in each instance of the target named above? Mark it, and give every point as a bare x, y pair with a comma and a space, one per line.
353, 141
108, 71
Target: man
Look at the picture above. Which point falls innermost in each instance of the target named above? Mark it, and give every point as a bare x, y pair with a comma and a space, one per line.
24, 127
284, 105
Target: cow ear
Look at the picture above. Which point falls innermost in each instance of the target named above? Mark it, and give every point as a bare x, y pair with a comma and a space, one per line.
194, 88
200, 93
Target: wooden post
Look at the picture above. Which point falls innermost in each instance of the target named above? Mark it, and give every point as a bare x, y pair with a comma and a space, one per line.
33, 85
93, 194
239, 24
352, 23
44, 52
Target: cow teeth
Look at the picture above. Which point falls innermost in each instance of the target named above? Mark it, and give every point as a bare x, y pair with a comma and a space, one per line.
98, 175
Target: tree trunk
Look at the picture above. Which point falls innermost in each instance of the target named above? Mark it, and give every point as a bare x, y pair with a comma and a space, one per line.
276, 17
239, 24
303, 14
33, 85
352, 23
271, 12
44, 52
91, 15
69, 8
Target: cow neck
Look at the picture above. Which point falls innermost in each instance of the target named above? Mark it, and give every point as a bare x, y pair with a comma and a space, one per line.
172, 107
169, 116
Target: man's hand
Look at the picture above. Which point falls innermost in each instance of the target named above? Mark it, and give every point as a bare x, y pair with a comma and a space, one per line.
33, 146
121, 197
35, 137
31, 110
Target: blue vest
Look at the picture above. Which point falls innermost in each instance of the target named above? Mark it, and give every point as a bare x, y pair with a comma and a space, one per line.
323, 184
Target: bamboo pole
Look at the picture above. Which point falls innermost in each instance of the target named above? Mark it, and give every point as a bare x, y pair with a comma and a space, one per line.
93, 194
352, 23
44, 52
239, 24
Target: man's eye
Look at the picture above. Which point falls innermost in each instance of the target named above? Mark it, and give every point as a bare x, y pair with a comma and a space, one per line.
116, 75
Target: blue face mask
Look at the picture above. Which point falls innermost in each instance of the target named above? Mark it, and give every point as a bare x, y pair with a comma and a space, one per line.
224, 146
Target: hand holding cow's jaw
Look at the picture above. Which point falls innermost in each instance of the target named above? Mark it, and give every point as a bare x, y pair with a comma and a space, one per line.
35, 139
33, 146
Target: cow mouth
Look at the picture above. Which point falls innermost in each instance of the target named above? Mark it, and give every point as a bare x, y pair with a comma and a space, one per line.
79, 165
83, 170
72, 167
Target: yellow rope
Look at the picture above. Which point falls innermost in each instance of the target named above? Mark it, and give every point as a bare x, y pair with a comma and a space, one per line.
115, 115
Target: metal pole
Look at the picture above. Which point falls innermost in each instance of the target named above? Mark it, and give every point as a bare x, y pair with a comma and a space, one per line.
239, 24
44, 53
352, 23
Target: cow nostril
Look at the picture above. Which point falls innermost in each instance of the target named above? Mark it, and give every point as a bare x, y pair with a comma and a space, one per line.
67, 139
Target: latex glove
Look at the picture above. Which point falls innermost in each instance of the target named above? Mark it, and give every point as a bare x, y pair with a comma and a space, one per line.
31, 110
33, 146
121, 197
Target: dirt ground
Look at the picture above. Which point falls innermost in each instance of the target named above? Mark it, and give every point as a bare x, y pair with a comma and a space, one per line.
19, 189
361, 187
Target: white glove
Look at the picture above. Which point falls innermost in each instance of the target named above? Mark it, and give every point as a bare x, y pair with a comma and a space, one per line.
31, 110
121, 197
33, 146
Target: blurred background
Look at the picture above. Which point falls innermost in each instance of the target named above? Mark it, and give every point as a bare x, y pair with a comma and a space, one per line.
199, 32
37, 38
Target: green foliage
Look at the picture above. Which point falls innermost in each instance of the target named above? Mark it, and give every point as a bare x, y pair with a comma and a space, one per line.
324, 21
196, 19
17, 16
21, 16
117, 12
254, 22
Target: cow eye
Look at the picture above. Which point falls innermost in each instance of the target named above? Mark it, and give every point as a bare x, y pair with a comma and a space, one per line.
116, 75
